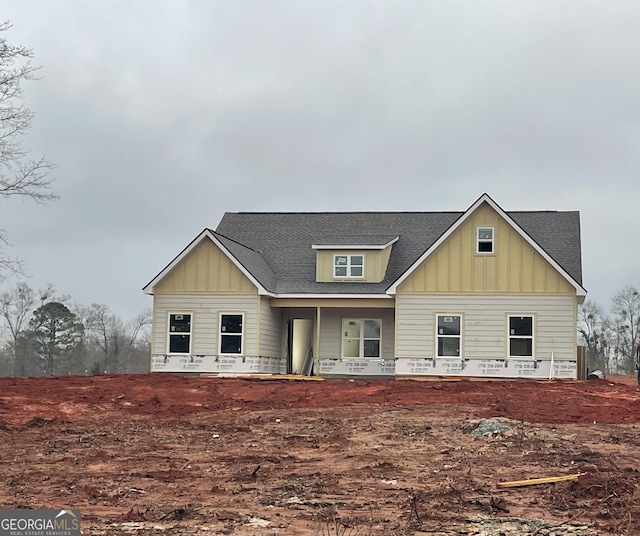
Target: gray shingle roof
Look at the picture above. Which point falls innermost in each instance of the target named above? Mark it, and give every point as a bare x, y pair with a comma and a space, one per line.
276, 247
252, 260
558, 233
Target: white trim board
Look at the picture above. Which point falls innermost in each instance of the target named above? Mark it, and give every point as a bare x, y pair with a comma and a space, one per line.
353, 247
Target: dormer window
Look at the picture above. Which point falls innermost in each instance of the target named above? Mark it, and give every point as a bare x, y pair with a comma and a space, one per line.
348, 266
485, 240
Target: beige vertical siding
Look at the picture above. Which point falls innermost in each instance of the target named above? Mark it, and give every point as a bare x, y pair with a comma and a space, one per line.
375, 264
513, 267
270, 329
331, 330
205, 270
484, 331
205, 321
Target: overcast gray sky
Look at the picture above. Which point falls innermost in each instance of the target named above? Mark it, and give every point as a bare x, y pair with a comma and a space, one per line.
161, 115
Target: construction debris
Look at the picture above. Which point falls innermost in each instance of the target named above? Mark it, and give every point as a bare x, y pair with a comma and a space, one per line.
490, 428
534, 481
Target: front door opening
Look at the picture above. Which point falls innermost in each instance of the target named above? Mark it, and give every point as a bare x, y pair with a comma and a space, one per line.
300, 346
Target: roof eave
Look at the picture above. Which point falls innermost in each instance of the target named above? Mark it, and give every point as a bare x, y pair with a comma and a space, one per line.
347, 246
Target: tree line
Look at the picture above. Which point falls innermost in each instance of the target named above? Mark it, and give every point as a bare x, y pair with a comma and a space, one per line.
611, 338
43, 333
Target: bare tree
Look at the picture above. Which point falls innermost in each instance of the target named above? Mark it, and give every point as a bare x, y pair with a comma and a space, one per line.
118, 344
15, 306
138, 324
139, 343
594, 328
626, 308
20, 175
102, 326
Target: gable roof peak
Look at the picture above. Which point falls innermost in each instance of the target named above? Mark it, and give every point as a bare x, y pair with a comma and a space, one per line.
249, 261
485, 198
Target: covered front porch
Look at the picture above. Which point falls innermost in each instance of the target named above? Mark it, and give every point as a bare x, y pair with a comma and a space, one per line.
337, 341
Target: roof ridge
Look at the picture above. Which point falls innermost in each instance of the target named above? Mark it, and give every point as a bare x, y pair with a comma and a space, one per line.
347, 213
537, 211
413, 212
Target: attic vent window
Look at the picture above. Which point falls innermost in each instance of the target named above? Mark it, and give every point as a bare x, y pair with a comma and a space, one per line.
485, 240
348, 266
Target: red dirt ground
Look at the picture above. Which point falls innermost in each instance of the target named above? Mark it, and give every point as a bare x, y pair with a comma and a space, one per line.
165, 454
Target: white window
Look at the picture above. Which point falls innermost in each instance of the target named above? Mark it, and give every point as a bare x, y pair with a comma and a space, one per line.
179, 333
485, 240
348, 265
449, 335
231, 333
520, 336
361, 338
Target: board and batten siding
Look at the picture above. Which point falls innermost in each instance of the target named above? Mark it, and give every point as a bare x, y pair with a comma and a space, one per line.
484, 324
205, 322
270, 343
206, 270
331, 329
514, 265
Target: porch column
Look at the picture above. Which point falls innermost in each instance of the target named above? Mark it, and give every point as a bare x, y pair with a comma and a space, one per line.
316, 352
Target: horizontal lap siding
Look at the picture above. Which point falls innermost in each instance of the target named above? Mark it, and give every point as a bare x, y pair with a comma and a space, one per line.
331, 329
206, 318
330, 333
484, 324
270, 329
